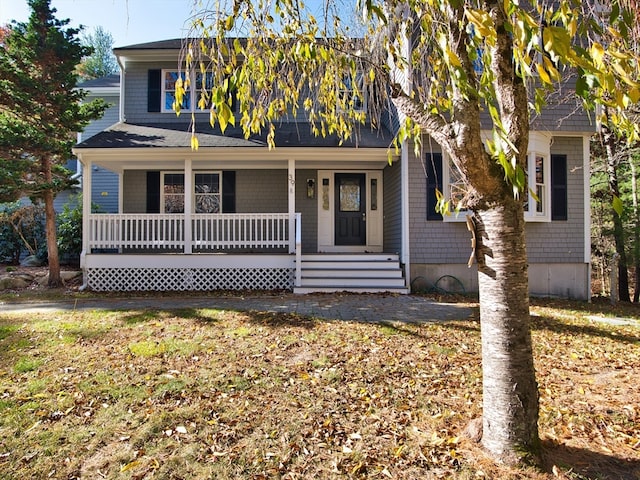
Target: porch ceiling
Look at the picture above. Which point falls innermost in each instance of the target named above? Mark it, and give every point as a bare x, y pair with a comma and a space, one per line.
134, 146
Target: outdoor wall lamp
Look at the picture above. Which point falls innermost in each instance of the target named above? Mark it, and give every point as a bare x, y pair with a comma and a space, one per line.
311, 188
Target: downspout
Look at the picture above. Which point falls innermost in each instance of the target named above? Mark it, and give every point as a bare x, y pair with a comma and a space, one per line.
586, 168
407, 84
121, 116
404, 206
121, 119
86, 211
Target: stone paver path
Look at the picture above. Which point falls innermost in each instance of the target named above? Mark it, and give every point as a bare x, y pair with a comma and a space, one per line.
367, 308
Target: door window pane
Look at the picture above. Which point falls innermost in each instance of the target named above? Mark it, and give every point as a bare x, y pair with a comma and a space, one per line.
374, 194
349, 195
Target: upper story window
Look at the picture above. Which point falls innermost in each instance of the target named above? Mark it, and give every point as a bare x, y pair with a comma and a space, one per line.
169, 80
207, 192
354, 92
197, 94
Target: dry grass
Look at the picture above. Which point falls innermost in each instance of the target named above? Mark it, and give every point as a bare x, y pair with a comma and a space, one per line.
222, 394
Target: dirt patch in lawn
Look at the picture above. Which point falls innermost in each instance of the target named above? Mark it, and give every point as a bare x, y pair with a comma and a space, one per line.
35, 280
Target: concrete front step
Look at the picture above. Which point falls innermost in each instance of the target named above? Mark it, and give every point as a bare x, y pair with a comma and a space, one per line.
359, 273
353, 265
350, 272
350, 257
336, 289
354, 282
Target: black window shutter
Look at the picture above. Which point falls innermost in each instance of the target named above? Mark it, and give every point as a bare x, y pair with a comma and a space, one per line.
228, 191
559, 187
153, 192
434, 182
154, 91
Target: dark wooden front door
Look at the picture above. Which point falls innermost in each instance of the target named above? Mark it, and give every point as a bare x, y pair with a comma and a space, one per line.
351, 208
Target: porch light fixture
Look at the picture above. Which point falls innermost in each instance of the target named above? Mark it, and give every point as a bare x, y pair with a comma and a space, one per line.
311, 188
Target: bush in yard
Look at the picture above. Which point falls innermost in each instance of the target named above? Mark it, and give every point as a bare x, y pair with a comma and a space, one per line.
10, 243
70, 228
21, 229
70, 231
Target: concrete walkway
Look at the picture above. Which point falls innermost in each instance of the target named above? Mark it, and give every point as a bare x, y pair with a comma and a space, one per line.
367, 308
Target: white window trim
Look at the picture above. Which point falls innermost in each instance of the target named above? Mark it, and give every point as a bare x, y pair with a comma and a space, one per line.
362, 89
193, 193
219, 194
163, 97
539, 145
162, 190
532, 214
193, 91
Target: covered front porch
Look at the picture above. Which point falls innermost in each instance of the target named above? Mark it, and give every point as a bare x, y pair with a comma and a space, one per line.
236, 218
158, 252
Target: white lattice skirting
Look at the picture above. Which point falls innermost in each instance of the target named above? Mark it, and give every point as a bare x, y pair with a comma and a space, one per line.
188, 279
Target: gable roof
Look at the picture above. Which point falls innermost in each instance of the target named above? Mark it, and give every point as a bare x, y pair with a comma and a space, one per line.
169, 44
102, 82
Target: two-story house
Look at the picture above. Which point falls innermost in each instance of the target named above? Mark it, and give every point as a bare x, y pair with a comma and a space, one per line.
309, 215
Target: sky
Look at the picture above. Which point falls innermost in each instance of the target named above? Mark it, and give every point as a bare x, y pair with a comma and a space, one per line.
128, 21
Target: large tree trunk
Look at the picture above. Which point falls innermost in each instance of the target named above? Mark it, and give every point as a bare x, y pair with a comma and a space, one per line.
55, 280
510, 391
618, 228
636, 230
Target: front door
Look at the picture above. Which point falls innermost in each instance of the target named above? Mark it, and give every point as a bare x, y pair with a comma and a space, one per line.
351, 208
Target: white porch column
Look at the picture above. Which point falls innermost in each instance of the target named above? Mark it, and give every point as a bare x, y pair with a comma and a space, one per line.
188, 204
291, 186
87, 186
120, 192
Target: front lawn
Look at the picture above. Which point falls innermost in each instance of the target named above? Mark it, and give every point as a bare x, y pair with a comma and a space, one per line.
221, 394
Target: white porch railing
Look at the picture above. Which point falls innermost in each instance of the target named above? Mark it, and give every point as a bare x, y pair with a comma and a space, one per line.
217, 232
135, 231
240, 231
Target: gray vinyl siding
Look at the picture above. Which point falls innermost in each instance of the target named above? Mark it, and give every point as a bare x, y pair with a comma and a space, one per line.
109, 118
432, 241
104, 191
104, 183
441, 242
136, 89
563, 241
261, 191
135, 93
257, 191
308, 208
70, 197
392, 188
134, 186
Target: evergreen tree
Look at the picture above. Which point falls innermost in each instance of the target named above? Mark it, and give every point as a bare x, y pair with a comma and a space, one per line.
41, 111
101, 61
